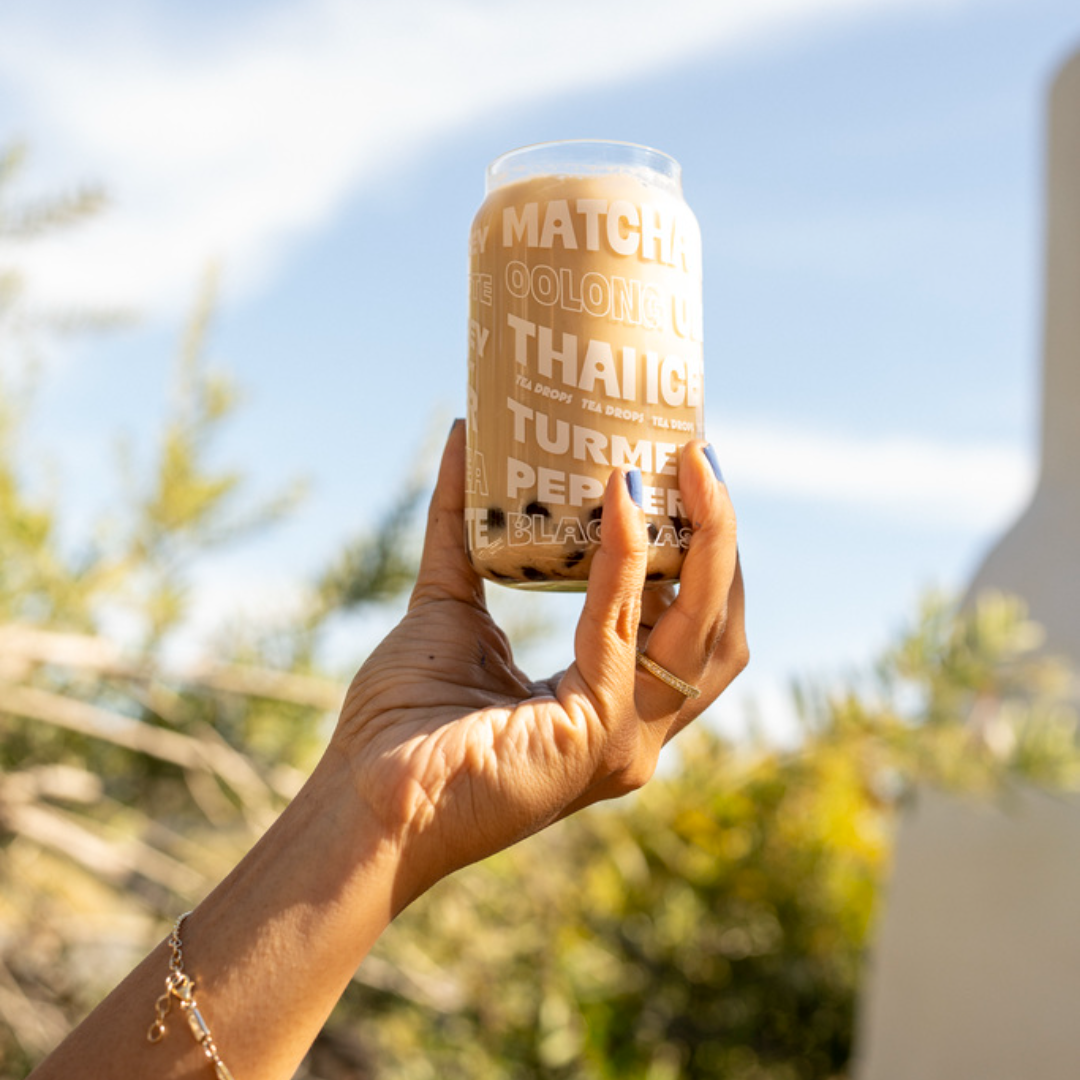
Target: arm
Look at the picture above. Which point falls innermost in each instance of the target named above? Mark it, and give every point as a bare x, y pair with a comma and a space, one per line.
445, 753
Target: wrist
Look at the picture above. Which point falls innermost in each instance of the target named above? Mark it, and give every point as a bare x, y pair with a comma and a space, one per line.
283, 935
270, 951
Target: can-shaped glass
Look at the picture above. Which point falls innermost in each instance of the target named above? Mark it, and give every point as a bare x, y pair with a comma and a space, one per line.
585, 355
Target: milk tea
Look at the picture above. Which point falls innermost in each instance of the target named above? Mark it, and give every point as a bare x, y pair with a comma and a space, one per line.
585, 354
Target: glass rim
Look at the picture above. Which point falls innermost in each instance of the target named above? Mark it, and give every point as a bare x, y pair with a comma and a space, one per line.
583, 157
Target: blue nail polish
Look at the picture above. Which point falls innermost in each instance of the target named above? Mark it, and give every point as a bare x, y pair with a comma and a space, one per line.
633, 485
710, 456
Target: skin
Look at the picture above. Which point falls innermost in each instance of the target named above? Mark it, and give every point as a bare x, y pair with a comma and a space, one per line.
445, 752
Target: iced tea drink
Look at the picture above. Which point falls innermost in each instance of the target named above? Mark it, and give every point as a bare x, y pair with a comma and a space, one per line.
585, 354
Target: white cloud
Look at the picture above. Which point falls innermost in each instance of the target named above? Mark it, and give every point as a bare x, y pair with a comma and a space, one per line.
920, 481
235, 136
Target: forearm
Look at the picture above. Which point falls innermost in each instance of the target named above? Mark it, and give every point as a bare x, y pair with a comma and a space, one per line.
270, 951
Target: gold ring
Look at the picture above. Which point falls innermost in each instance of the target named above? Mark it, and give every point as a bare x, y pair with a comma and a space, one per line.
665, 676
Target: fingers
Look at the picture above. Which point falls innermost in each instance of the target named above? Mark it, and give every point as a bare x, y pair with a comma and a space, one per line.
709, 567
607, 629
696, 634
700, 637
654, 603
445, 571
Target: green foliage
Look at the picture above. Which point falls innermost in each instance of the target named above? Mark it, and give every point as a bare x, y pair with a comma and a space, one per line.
29, 220
129, 784
24, 221
186, 507
375, 568
712, 926
716, 924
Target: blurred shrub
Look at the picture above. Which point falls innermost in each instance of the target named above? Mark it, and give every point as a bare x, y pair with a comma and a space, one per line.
130, 782
715, 924
712, 926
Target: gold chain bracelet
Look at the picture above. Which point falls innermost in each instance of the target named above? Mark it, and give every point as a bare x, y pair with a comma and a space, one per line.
178, 985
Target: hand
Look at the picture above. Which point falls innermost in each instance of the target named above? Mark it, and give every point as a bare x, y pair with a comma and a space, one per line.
457, 754
445, 752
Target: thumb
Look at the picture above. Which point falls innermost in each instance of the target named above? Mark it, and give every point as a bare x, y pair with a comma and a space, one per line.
445, 570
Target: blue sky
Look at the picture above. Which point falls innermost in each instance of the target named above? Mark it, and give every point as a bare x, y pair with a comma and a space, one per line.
867, 174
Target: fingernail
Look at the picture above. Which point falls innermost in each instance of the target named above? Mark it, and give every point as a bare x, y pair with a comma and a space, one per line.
633, 485
710, 457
